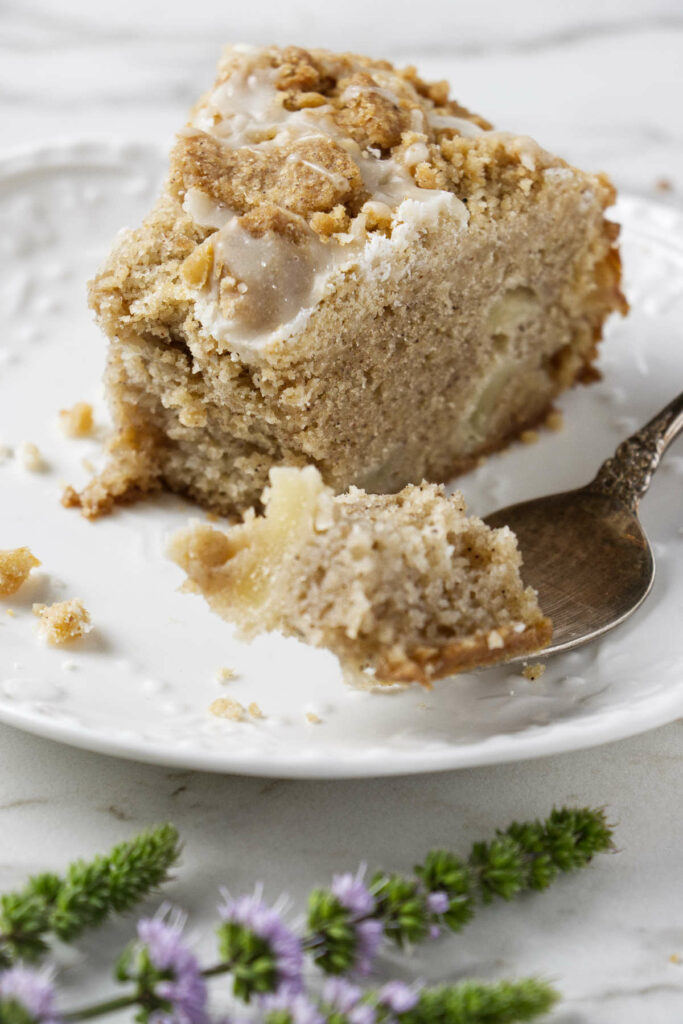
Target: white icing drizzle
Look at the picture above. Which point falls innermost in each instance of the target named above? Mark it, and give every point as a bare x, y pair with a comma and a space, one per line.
205, 211
459, 124
280, 282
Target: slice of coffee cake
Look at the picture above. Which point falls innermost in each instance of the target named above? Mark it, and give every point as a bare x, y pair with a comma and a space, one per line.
345, 268
403, 587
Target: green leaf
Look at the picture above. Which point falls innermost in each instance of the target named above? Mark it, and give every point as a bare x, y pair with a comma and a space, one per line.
472, 1002
251, 960
401, 906
331, 938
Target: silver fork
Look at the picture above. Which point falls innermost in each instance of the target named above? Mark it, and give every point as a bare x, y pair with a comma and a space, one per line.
585, 551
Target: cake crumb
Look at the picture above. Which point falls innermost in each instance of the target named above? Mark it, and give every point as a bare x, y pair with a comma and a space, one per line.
30, 457
529, 436
64, 621
533, 672
77, 421
675, 958
494, 640
226, 674
11, 612
664, 185
88, 466
312, 718
255, 711
554, 420
15, 566
226, 707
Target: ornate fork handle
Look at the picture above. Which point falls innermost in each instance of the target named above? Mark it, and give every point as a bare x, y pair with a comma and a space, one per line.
626, 476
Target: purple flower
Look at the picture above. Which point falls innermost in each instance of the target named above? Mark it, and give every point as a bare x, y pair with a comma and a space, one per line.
438, 901
398, 996
299, 1008
369, 935
351, 891
256, 916
185, 989
32, 991
353, 894
343, 997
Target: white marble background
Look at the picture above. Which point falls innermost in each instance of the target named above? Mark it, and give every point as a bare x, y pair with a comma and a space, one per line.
601, 83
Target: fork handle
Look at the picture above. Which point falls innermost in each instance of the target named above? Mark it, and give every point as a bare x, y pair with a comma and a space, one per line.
626, 476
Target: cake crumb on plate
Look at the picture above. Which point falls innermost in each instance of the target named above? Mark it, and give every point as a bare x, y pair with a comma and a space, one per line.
226, 707
312, 718
225, 674
77, 421
533, 672
554, 420
64, 621
529, 436
255, 711
15, 566
30, 457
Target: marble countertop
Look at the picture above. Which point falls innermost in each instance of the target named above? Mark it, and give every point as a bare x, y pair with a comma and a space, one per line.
599, 83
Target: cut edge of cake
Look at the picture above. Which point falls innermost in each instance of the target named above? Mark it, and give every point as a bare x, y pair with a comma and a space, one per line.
402, 588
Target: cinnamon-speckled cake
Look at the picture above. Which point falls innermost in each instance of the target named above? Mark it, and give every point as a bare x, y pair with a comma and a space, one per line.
344, 268
401, 587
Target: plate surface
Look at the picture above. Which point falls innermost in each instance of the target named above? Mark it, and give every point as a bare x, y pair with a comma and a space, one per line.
140, 684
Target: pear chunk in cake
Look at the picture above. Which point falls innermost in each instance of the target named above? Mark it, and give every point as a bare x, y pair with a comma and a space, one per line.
345, 268
402, 588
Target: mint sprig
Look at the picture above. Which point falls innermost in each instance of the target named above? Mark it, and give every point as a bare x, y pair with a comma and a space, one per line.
87, 894
522, 858
264, 957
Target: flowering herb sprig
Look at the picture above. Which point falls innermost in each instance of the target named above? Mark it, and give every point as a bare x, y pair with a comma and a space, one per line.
87, 894
264, 957
166, 973
348, 921
264, 954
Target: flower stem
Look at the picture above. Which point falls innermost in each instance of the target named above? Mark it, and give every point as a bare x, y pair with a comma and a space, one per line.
123, 1002
100, 1009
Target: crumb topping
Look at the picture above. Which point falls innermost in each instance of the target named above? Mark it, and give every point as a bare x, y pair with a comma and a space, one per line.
294, 160
313, 130
64, 621
15, 566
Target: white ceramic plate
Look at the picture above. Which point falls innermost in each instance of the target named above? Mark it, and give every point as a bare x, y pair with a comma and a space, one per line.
140, 684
